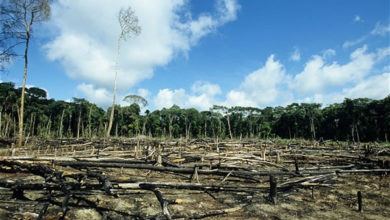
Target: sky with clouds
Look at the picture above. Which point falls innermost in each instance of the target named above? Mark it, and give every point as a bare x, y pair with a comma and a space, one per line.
225, 52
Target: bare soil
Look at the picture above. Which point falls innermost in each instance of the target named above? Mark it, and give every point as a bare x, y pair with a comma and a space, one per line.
143, 178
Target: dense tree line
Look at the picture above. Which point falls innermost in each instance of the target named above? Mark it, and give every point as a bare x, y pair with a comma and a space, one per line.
354, 119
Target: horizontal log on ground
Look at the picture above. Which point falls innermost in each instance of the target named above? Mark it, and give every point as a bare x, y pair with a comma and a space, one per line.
307, 181
206, 214
192, 186
208, 172
38, 186
329, 167
45, 158
174, 169
346, 171
364, 171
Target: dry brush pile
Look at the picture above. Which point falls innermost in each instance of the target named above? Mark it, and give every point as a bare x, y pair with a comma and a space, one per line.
171, 179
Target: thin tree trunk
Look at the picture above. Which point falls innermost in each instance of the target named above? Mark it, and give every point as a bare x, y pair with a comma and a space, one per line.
7, 125
20, 134
70, 125
186, 127
230, 130
1, 114
31, 125
144, 127
220, 127
48, 127
213, 128
14, 127
78, 125
62, 118
357, 133
205, 129
116, 130
312, 128
82, 130
170, 127
114, 95
189, 130
89, 122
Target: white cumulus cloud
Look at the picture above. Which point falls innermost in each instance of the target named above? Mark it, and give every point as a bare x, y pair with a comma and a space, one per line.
143, 93
167, 97
202, 96
318, 76
271, 85
375, 87
260, 87
99, 96
86, 32
200, 87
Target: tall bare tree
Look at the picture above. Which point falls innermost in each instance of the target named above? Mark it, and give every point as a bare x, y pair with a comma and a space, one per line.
128, 22
18, 17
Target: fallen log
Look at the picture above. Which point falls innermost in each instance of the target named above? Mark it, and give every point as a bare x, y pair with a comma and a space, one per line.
329, 167
241, 174
364, 171
191, 186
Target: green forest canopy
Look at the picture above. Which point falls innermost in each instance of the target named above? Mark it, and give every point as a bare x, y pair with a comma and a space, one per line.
360, 119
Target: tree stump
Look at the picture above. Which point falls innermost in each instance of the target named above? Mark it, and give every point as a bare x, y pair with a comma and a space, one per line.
296, 165
277, 157
273, 182
360, 203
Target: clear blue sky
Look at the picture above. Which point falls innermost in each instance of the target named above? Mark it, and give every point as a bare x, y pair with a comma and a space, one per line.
199, 53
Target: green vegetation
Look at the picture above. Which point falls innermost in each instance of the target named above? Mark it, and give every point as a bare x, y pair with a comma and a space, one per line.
18, 18
353, 120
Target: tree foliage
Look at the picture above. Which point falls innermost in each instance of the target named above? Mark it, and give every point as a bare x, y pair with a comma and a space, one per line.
18, 17
136, 99
353, 119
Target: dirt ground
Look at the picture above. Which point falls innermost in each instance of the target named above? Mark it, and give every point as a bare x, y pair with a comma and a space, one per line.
242, 192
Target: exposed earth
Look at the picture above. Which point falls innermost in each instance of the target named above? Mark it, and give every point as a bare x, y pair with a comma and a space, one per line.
144, 178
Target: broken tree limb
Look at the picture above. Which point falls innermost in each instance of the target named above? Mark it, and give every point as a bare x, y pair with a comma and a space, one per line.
163, 202
223, 180
207, 214
192, 186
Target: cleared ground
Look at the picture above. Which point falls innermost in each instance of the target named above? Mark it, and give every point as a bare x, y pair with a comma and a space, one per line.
160, 179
